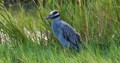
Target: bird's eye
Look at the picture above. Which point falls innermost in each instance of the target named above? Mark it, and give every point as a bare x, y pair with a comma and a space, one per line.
55, 12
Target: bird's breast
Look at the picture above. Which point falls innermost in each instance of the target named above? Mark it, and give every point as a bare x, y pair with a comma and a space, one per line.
55, 28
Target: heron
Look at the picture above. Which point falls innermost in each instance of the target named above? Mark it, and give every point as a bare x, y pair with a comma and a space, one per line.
66, 34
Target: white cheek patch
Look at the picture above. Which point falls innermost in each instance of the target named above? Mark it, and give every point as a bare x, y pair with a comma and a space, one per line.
56, 14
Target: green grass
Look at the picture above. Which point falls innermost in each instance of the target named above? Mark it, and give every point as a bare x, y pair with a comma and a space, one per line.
23, 33
34, 53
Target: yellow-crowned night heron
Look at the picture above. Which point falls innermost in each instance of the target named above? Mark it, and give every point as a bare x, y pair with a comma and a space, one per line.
67, 36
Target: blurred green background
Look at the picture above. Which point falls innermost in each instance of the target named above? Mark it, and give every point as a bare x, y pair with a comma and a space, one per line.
25, 37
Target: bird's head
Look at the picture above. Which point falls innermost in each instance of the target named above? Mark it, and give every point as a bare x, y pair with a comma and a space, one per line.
53, 14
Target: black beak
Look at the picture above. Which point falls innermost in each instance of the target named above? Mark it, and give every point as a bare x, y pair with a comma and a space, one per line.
48, 17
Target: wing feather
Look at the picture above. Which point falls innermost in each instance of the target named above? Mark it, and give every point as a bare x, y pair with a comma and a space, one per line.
70, 35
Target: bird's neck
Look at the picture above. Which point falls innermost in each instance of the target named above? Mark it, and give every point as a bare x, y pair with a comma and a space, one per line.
55, 26
56, 19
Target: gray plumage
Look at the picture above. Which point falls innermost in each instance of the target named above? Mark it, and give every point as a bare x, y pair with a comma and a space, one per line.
67, 36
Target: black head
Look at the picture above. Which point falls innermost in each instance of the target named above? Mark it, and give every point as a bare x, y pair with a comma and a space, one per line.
53, 14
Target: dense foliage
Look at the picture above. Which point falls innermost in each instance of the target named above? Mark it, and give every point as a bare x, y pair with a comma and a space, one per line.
25, 37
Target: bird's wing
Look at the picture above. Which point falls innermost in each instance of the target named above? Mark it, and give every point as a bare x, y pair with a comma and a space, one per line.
70, 35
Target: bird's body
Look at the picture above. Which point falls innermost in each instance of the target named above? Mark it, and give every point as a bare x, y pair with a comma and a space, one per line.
57, 30
65, 33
